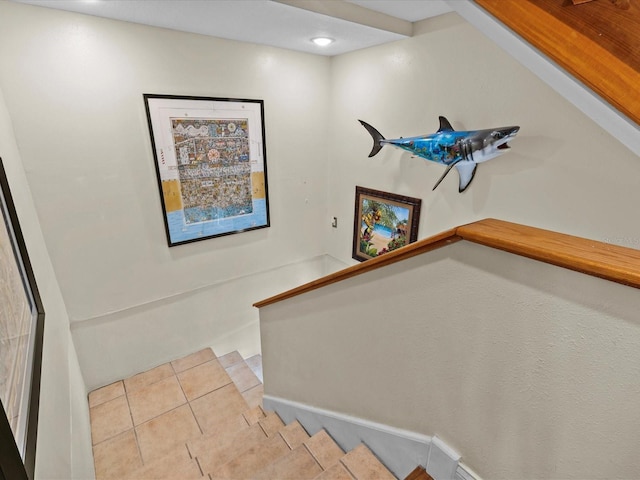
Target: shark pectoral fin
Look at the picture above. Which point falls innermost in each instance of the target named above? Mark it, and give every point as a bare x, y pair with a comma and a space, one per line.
466, 171
444, 175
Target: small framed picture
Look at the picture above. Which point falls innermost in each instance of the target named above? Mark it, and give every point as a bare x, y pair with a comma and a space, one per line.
383, 222
211, 164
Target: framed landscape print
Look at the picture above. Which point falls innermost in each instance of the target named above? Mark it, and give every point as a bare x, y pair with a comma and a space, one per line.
383, 222
211, 165
21, 336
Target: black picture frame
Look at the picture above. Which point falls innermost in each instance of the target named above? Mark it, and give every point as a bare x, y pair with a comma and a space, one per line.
18, 452
211, 165
383, 222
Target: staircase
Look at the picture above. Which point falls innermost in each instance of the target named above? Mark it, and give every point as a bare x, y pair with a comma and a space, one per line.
201, 416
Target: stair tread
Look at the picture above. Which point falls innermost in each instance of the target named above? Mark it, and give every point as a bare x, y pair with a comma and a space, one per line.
294, 434
243, 376
177, 464
336, 472
324, 449
225, 432
298, 464
419, 473
217, 454
251, 461
364, 465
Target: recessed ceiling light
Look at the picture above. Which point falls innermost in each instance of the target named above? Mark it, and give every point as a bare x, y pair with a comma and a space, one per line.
322, 41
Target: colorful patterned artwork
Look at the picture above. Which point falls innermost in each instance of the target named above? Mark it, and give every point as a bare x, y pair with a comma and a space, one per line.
211, 165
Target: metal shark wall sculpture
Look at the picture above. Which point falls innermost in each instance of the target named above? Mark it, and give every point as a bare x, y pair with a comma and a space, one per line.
461, 149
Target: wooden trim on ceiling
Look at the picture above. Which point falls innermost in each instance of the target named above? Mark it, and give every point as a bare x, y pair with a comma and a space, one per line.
605, 70
610, 262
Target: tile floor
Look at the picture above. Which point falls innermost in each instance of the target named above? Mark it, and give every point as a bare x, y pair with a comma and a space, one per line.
140, 419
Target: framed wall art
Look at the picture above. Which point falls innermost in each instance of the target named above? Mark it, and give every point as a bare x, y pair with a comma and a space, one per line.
21, 337
383, 222
211, 165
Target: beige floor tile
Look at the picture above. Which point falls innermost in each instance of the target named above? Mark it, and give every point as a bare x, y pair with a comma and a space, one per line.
324, 449
250, 462
204, 378
255, 364
213, 455
105, 394
294, 434
336, 472
230, 359
147, 378
110, 419
298, 464
161, 434
190, 361
363, 464
254, 396
214, 407
171, 466
152, 400
243, 376
117, 456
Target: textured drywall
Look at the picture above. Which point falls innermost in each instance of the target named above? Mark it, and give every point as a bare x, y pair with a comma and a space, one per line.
74, 85
527, 370
563, 172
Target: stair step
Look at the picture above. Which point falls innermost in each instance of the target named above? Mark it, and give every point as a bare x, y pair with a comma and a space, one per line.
298, 464
324, 449
213, 451
178, 464
364, 465
294, 434
251, 461
227, 432
336, 472
419, 473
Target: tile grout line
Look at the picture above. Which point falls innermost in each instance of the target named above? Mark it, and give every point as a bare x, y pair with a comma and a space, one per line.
190, 409
133, 426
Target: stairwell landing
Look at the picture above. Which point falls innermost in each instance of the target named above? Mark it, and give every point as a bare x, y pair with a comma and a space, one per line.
201, 416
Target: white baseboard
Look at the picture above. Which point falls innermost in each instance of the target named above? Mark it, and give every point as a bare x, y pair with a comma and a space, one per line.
400, 450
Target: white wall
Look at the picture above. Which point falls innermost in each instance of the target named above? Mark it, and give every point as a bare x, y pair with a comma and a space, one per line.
527, 370
563, 173
74, 88
63, 448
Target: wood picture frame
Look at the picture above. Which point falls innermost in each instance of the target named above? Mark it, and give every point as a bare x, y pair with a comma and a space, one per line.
383, 222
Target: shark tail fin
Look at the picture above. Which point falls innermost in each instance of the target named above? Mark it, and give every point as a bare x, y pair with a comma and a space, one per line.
466, 171
377, 138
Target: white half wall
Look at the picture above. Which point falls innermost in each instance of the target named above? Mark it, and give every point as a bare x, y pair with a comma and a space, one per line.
527, 370
220, 316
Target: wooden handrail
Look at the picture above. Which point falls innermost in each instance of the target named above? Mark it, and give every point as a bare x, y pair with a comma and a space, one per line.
610, 262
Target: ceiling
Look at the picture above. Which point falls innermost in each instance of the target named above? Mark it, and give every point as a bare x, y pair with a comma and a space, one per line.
290, 24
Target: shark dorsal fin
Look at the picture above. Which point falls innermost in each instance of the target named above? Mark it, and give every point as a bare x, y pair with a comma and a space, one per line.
445, 126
